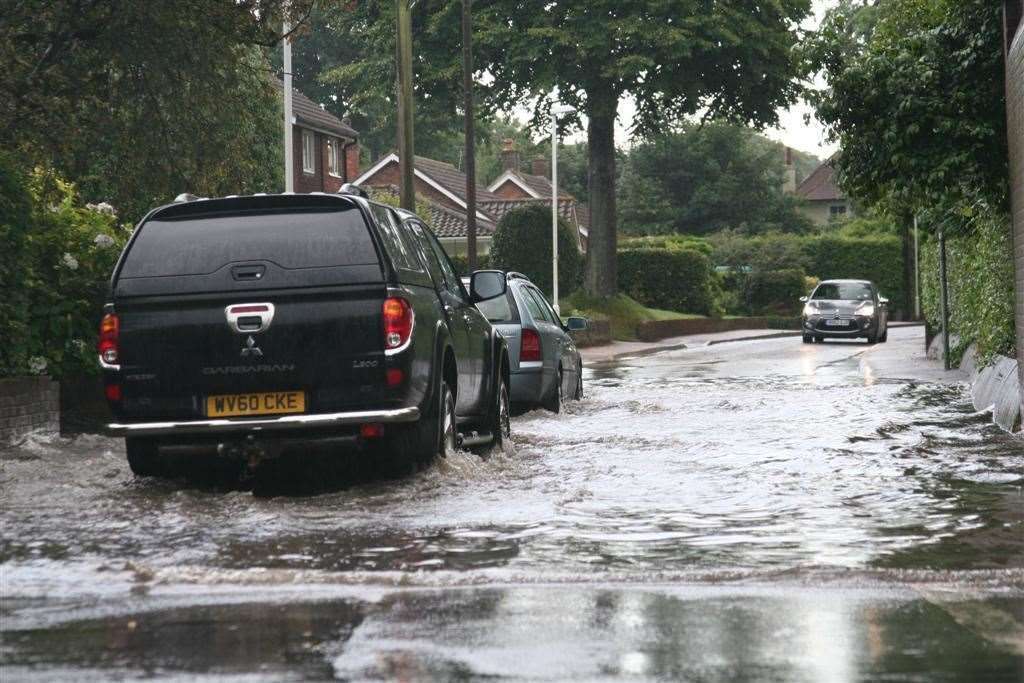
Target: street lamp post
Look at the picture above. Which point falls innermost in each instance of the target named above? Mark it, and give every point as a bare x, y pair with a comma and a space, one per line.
289, 164
557, 109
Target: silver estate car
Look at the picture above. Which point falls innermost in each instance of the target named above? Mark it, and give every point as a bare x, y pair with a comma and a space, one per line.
845, 309
546, 368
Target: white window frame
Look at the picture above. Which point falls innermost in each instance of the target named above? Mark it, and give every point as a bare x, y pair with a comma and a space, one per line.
334, 157
308, 152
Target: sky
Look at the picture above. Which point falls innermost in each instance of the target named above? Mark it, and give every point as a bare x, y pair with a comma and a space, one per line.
793, 130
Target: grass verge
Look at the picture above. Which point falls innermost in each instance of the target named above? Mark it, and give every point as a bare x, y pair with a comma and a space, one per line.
623, 312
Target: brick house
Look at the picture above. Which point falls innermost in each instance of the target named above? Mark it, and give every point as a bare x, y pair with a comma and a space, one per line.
1013, 20
821, 199
443, 188
325, 148
513, 183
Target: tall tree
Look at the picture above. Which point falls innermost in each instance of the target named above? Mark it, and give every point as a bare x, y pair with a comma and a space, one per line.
675, 58
138, 101
915, 98
703, 179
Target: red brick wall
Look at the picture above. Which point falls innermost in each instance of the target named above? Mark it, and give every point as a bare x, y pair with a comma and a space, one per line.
320, 180
305, 182
389, 176
351, 162
509, 190
1015, 131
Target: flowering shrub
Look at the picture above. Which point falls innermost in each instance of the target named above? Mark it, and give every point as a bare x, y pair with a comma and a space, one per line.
58, 257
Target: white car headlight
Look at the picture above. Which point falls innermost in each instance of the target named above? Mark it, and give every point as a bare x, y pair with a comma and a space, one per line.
866, 310
810, 310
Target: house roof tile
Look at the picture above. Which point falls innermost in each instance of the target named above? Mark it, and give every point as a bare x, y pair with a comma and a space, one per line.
308, 112
821, 184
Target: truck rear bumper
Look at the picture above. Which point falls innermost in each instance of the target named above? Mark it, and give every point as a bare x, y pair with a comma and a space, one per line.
260, 424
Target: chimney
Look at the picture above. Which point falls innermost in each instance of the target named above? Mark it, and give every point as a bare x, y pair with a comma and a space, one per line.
789, 174
539, 166
509, 155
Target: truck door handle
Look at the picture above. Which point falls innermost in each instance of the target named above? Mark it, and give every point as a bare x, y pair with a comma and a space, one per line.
243, 273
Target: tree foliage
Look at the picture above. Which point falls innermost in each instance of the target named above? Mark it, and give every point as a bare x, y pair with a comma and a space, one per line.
704, 179
522, 243
915, 98
138, 101
675, 58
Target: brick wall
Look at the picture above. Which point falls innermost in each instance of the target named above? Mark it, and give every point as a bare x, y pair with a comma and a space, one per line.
320, 180
28, 403
1015, 130
389, 176
509, 190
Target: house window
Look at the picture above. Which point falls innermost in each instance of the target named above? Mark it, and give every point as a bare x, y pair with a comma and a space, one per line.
333, 157
837, 210
308, 152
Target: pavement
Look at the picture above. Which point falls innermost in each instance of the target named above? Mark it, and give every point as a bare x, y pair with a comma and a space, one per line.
606, 352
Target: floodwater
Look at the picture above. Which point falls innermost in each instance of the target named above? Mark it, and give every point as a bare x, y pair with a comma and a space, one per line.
759, 510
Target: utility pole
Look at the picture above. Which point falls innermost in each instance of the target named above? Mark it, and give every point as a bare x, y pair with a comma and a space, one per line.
405, 146
467, 93
917, 272
289, 148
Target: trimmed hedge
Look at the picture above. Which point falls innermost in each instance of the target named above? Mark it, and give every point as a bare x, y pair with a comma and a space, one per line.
674, 279
879, 259
981, 282
775, 291
522, 243
461, 264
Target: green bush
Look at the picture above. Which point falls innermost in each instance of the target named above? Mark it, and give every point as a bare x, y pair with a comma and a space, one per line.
981, 275
775, 292
59, 256
667, 242
777, 251
461, 263
522, 243
674, 279
879, 259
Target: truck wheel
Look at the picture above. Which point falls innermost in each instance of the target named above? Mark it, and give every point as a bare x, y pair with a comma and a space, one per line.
501, 421
143, 457
405, 448
554, 401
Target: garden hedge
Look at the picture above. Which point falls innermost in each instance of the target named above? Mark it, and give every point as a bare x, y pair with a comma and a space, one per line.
522, 242
774, 291
680, 280
461, 263
878, 258
981, 286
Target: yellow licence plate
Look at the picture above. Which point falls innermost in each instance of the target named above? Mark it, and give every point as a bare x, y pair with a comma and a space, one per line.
262, 403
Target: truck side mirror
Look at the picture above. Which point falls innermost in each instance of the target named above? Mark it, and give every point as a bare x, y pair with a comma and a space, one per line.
487, 284
576, 324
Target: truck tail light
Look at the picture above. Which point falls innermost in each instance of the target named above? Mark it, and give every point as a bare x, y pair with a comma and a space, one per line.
398, 324
529, 351
110, 331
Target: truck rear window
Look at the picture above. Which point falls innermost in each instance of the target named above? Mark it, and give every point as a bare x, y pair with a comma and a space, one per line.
199, 245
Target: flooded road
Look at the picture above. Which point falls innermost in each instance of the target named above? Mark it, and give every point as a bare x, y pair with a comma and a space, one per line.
760, 510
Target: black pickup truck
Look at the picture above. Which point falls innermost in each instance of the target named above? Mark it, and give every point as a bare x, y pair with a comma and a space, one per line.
253, 327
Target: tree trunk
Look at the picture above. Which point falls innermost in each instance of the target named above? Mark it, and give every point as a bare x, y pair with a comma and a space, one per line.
601, 273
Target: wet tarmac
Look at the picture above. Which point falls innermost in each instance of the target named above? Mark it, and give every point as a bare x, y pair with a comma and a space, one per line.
759, 510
